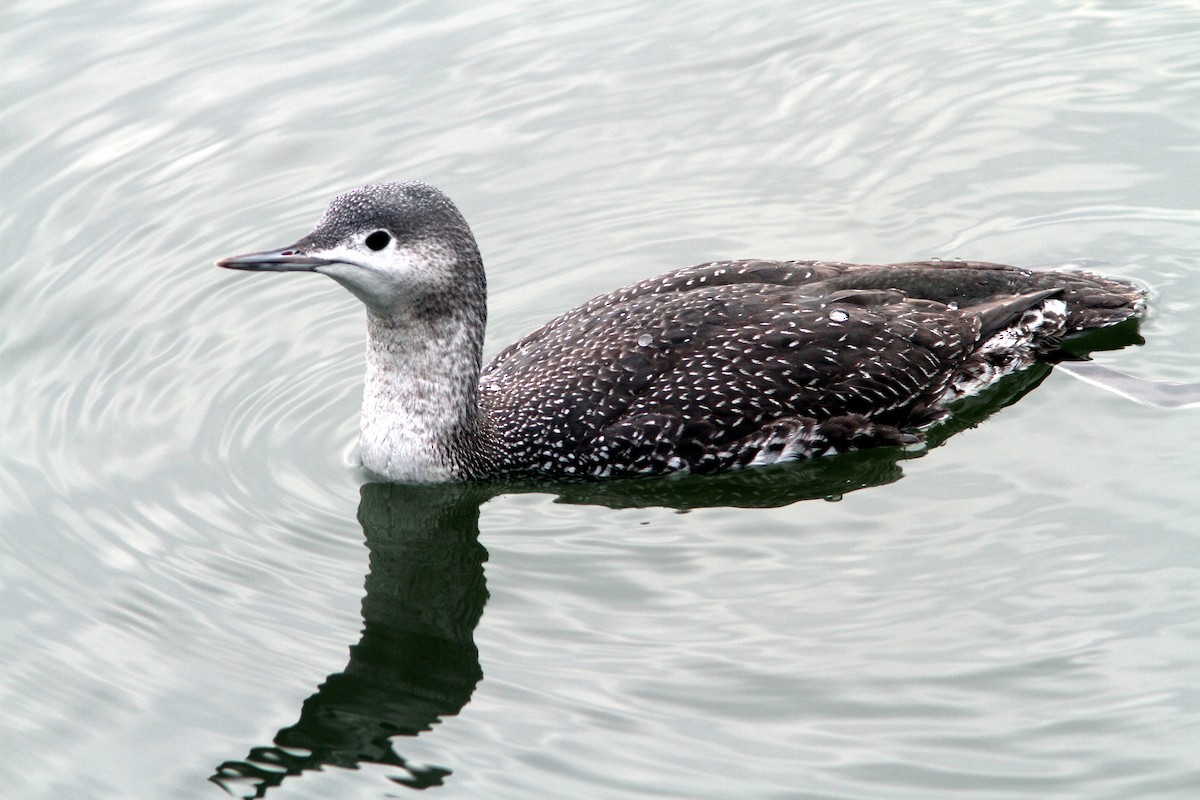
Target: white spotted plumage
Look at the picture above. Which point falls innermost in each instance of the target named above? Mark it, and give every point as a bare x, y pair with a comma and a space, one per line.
717, 366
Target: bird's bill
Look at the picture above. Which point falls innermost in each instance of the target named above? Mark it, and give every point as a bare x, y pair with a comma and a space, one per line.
284, 259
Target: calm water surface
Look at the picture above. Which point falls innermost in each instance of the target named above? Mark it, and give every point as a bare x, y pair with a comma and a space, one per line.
197, 589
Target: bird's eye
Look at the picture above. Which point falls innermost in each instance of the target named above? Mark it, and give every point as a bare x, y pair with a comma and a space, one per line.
378, 240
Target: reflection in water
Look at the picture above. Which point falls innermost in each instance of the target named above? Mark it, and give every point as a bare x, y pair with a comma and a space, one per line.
417, 662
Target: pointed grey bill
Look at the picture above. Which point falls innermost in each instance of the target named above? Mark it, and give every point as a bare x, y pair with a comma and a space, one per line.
284, 259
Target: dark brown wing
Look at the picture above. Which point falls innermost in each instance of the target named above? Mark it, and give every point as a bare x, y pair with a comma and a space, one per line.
712, 365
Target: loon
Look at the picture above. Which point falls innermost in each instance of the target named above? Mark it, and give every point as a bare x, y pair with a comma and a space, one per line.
712, 367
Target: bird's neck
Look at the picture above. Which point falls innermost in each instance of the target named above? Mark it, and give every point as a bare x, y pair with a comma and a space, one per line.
420, 413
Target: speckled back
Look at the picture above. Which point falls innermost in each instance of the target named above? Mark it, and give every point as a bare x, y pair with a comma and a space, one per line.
683, 370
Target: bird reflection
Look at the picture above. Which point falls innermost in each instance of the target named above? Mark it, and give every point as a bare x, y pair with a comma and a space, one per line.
417, 661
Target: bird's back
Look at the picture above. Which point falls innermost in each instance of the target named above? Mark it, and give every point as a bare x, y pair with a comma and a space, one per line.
731, 363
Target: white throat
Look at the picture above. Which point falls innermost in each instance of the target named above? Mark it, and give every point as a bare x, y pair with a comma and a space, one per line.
420, 398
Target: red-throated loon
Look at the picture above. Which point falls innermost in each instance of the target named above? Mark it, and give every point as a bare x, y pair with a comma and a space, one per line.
711, 367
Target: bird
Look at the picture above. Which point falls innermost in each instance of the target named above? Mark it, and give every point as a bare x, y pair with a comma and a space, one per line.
712, 367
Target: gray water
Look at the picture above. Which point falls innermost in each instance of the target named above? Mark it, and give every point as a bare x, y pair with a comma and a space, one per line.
195, 582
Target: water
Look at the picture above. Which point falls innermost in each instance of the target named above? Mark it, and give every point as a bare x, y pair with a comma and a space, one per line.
184, 577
